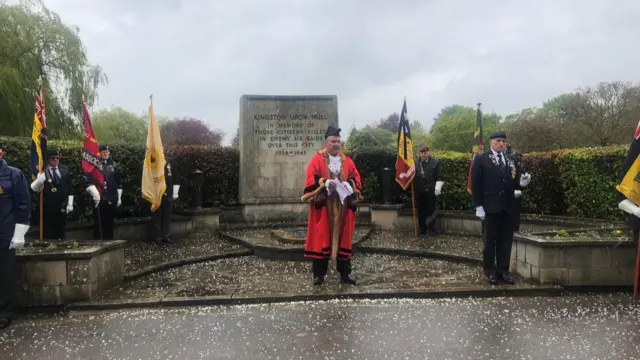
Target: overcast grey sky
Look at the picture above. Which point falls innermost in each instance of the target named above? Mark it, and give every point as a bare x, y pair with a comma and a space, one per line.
198, 57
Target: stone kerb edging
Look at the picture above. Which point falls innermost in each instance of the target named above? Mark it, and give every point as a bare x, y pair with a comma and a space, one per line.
347, 295
183, 262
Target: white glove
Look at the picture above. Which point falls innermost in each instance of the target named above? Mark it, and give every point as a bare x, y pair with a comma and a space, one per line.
628, 206
329, 185
176, 188
439, 187
18, 236
94, 194
525, 179
70, 204
38, 183
517, 193
119, 197
480, 212
348, 186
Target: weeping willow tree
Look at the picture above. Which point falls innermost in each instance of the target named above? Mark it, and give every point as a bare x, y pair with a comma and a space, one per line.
33, 42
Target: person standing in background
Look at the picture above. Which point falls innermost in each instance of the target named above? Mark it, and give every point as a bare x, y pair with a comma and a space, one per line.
428, 186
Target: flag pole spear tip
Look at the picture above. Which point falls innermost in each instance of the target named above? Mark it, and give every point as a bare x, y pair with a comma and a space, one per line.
82, 98
479, 104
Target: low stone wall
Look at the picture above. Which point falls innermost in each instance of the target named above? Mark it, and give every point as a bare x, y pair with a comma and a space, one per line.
182, 223
64, 275
574, 261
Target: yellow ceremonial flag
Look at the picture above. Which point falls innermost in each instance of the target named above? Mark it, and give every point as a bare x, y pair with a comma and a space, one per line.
153, 181
630, 184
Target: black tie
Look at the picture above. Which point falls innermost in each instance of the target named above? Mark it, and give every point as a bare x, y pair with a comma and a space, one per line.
56, 178
502, 165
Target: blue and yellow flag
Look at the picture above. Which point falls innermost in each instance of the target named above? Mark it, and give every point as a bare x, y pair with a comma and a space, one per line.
405, 166
39, 135
153, 181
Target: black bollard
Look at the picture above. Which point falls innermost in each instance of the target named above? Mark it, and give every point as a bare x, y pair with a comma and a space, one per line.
198, 180
387, 177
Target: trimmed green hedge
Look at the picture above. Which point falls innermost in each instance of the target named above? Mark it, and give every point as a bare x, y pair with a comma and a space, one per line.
579, 182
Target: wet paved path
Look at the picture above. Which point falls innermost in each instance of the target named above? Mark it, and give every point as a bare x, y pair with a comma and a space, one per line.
253, 277
142, 254
572, 327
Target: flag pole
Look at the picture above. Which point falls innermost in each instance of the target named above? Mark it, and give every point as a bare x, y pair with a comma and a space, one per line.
41, 166
637, 275
413, 207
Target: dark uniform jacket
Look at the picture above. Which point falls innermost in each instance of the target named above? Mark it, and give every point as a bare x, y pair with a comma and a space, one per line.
170, 178
15, 202
112, 181
56, 194
428, 172
491, 186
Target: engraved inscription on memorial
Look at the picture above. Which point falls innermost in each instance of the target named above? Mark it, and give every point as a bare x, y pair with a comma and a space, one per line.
290, 135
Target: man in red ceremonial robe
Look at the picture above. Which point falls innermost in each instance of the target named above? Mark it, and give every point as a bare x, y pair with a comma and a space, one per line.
333, 188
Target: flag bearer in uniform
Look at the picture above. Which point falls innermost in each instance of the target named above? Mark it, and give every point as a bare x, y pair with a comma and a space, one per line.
428, 185
162, 217
331, 224
15, 207
105, 211
628, 191
57, 199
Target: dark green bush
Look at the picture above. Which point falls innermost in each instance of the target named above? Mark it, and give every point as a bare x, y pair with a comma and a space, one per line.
578, 182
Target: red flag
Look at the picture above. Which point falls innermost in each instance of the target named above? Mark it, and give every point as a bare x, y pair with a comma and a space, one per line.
91, 165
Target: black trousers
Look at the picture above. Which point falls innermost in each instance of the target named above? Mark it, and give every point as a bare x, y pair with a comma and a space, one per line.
320, 267
7, 283
103, 219
162, 218
426, 208
54, 224
498, 238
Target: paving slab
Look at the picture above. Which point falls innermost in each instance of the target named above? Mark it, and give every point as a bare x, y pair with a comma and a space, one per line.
140, 255
461, 245
247, 277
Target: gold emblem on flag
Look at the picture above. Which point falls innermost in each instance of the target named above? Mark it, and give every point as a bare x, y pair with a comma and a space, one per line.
152, 158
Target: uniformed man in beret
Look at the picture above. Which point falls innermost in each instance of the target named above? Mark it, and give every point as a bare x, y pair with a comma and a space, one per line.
162, 216
105, 211
15, 208
57, 198
428, 185
495, 180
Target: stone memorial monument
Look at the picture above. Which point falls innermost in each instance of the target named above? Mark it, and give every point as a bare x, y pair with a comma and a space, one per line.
278, 137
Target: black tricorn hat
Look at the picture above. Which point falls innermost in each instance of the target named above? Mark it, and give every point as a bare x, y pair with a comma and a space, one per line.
52, 152
103, 148
498, 135
332, 131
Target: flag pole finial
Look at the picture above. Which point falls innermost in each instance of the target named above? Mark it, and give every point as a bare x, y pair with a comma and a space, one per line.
479, 104
151, 98
83, 98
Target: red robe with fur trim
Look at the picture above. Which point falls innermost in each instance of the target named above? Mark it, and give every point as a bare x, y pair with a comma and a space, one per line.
320, 228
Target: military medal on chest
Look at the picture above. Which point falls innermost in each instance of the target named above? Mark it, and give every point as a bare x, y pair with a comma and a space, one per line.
51, 185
